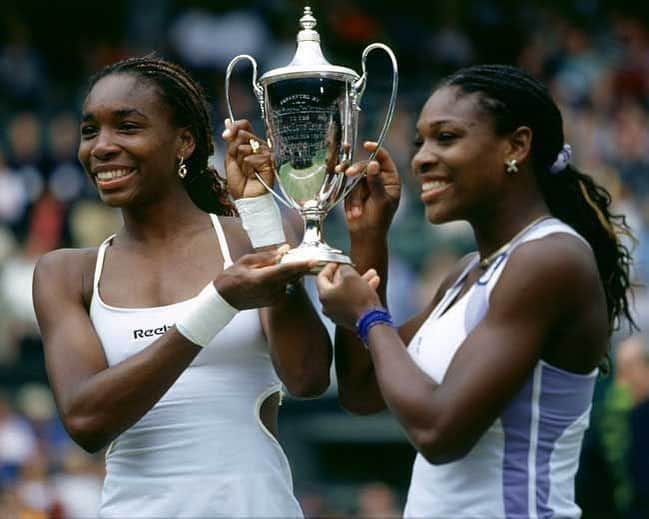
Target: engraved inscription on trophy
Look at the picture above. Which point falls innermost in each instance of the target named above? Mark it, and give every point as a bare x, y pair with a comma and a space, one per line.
305, 136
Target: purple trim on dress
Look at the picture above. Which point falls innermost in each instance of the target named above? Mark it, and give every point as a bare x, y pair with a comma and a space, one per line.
476, 307
565, 397
517, 422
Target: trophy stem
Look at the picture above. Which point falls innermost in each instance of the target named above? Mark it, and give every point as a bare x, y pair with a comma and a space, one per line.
313, 246
313, 228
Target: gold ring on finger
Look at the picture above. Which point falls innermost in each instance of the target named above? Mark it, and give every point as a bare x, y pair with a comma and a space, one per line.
254, 145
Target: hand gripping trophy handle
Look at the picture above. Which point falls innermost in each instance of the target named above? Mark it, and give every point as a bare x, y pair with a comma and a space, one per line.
359, 86
259, 94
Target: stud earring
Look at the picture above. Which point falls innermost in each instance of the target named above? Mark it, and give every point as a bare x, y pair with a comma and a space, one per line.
511, 166
182, 168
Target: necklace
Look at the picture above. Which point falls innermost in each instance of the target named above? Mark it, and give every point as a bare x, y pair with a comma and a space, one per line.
484, 263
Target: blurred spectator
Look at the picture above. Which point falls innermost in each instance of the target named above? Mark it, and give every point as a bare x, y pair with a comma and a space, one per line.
633, 375
91, 221
613, 480
352, 23
35, 403
26, 161
67, 181
78, 486
377, 500
16, 294
630, 78
17, 443
580, 66
451, 47
22, 78
13, 195
35, 489
204, 39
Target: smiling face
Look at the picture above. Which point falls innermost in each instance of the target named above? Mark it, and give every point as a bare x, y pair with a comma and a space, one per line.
460, 158
128, 144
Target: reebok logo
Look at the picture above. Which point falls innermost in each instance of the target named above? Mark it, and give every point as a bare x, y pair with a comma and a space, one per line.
150, 332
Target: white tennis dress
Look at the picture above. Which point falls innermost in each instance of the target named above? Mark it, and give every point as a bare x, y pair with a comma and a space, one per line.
523, 467
202, 450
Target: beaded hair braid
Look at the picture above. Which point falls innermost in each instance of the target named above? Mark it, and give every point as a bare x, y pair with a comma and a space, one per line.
512, 98
189, 108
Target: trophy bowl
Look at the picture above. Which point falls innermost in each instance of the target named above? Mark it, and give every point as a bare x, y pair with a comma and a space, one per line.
310, 111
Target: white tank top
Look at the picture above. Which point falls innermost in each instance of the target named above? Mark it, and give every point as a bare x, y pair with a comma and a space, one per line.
202, 450
524, 465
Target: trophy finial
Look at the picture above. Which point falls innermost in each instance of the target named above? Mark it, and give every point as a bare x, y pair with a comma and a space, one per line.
308, 58
308, 21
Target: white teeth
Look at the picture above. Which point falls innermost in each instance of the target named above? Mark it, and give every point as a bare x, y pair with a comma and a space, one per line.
110, 175
433, 184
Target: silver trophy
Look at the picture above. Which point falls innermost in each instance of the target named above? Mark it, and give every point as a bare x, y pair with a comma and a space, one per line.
310, 110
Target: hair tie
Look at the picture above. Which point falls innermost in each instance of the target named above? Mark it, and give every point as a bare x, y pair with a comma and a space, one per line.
563, 158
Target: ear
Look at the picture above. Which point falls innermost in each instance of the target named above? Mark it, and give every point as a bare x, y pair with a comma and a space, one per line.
519, 144
186, 143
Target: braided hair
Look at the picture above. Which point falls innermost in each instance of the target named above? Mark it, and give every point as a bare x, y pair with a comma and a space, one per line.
189, 108
513, 98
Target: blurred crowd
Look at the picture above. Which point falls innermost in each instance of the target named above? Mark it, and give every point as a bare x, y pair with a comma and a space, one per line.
594, 56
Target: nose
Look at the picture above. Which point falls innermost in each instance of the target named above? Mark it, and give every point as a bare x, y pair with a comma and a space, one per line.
423, 161
104, 146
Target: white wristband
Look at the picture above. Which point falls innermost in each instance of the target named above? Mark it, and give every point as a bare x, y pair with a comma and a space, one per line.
207, 316
261, 219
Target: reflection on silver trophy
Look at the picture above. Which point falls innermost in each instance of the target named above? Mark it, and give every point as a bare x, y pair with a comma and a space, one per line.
310, 110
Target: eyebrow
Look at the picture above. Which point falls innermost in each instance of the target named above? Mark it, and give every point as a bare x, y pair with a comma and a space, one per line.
440, 122
431, 126
121, 113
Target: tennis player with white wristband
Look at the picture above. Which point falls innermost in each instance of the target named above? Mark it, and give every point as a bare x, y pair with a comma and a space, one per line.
169, 344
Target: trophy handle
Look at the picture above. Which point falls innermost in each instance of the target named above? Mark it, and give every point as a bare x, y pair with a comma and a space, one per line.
259, 91
359, 88
259, 94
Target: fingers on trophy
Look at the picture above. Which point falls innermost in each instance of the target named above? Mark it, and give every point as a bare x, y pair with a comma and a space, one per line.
310, 111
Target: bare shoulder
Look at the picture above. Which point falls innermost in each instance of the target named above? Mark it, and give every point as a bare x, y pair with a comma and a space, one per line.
71, 270
551, 289
553, 284
560, 261
67, 262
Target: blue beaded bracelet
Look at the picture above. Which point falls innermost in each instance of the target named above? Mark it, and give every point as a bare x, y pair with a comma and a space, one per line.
368, 319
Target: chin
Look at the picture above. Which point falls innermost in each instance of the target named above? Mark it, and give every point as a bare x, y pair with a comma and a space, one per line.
436, 216
115, 200
111, 200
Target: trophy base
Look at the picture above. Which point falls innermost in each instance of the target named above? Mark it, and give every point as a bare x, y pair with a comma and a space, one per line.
321, 252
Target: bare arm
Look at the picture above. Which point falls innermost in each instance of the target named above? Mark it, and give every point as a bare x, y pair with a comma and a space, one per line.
299, 342
96, 402
358, 390
538, 300
369, 209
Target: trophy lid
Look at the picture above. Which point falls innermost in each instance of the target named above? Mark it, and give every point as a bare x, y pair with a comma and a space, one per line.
308, 60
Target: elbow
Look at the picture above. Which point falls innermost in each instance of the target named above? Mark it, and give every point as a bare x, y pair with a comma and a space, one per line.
86, 433
311, 386
438, 446
356, 405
